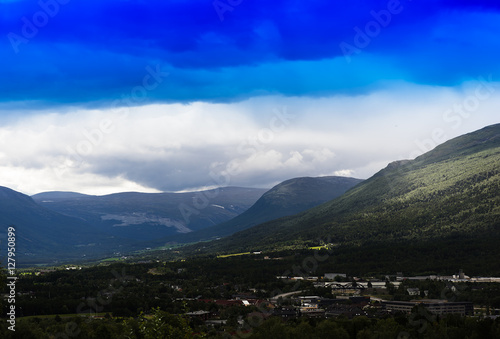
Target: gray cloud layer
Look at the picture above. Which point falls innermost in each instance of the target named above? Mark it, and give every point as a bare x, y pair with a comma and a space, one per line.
257, 142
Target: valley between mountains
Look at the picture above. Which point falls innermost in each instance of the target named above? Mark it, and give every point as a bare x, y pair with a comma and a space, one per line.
445, 204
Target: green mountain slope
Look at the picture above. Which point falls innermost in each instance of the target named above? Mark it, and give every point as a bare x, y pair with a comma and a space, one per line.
449, 192
287, 198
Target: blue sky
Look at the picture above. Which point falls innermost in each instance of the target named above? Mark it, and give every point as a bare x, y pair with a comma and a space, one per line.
104, 96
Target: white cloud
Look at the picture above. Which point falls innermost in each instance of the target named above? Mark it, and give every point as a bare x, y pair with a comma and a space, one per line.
176, 147
344, 173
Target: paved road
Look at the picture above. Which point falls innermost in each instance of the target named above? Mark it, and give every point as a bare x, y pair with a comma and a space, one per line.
285, 295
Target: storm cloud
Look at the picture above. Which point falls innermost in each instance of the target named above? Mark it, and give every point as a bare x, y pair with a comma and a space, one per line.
108, 96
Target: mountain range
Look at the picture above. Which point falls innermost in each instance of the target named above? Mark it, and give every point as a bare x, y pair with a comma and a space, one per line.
448, 197
445, 203
63, 226
69, 225
42, 233
287, 198
149, 216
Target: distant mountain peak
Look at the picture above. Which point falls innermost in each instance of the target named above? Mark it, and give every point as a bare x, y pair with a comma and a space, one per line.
449, 192
287, 198
58, 195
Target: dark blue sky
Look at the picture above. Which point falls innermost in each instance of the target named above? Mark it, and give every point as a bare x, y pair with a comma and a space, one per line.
120, 95
96, 50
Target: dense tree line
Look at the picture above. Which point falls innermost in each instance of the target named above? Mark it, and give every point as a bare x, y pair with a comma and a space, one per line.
424, 203
128, 296
127, 289
161, 325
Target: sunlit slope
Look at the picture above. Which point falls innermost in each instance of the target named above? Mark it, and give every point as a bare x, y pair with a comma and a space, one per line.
451, 191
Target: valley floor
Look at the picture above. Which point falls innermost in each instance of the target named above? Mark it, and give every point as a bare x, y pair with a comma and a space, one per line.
290, 294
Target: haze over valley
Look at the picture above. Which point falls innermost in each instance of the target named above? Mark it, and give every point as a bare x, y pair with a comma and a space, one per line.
249, 169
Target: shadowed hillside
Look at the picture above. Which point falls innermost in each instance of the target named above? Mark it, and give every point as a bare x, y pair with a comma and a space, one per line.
287, 198
451, 192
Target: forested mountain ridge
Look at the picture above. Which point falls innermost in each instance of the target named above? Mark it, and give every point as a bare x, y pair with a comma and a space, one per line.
451, 191
287, 198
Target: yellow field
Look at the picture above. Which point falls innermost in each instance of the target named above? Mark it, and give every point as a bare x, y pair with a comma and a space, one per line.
233, 255
319, 247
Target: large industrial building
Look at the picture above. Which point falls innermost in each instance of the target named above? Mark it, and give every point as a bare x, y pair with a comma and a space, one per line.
434, 306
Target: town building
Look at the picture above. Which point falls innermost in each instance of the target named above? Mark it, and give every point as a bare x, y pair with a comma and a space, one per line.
433, 306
